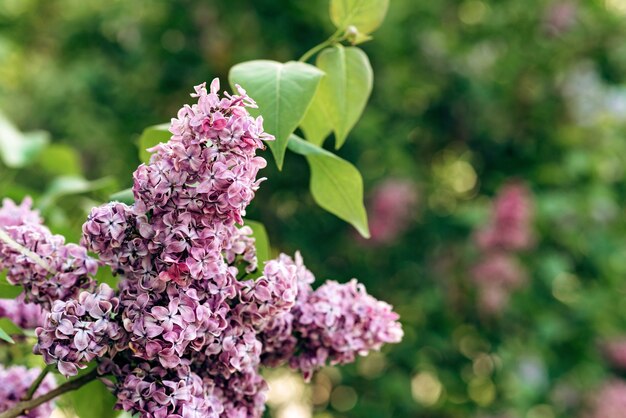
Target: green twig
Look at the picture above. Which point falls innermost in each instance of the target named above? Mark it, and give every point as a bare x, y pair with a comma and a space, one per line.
334, 38
36, 383
25, 406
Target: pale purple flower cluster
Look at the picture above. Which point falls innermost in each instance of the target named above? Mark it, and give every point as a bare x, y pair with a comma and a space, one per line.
41, 262
332, 324
16, 380
182, 336
78, 331
499, 273
242, 245
17, 215
24, 315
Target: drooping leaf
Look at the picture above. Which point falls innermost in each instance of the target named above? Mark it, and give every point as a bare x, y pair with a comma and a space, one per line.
344, 91
59, 160
17, 148
6, 337
152, 136
336, 185
262, 242
283, 93
10, 328
70, 185
365, 15
124, 196
316, 124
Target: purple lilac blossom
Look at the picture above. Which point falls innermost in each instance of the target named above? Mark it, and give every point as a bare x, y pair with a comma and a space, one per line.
78, 331
56, 271
16, 215
24, 315
182, 336
16, 380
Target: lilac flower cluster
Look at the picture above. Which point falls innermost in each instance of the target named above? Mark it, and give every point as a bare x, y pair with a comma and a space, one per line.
78, 331
16, 381
332, 324
41, 262
499, 272
182, 336
24, 315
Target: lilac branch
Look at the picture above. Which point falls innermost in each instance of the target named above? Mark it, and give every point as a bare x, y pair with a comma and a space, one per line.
28, 405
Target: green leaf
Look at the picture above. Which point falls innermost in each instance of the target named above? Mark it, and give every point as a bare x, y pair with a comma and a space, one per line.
6, 337
316, 124
336, 185
58, 159
93, 400
124, 196
9, 327
152, 136
70, 185
365, 15
346, 88
8, 291
261, 241
283, 93
18, 149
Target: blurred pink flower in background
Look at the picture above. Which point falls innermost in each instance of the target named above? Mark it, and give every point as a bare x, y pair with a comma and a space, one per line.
609, 401
559, 17
509, 230
510, 226
499, 268
391, 207
496, 276
615, 352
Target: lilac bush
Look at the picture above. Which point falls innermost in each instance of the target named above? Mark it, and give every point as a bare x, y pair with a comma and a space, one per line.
184, 335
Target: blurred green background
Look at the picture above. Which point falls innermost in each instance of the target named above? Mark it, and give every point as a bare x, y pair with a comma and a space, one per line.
468, 96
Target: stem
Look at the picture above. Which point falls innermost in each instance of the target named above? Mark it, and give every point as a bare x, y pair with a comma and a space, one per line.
31, 404
24, 251
36, 383
335, 37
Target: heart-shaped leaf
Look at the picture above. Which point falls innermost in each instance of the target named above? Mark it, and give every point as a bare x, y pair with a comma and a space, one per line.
344, 92
283, 93
365, 15
316, 124
336, 185
152, 136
